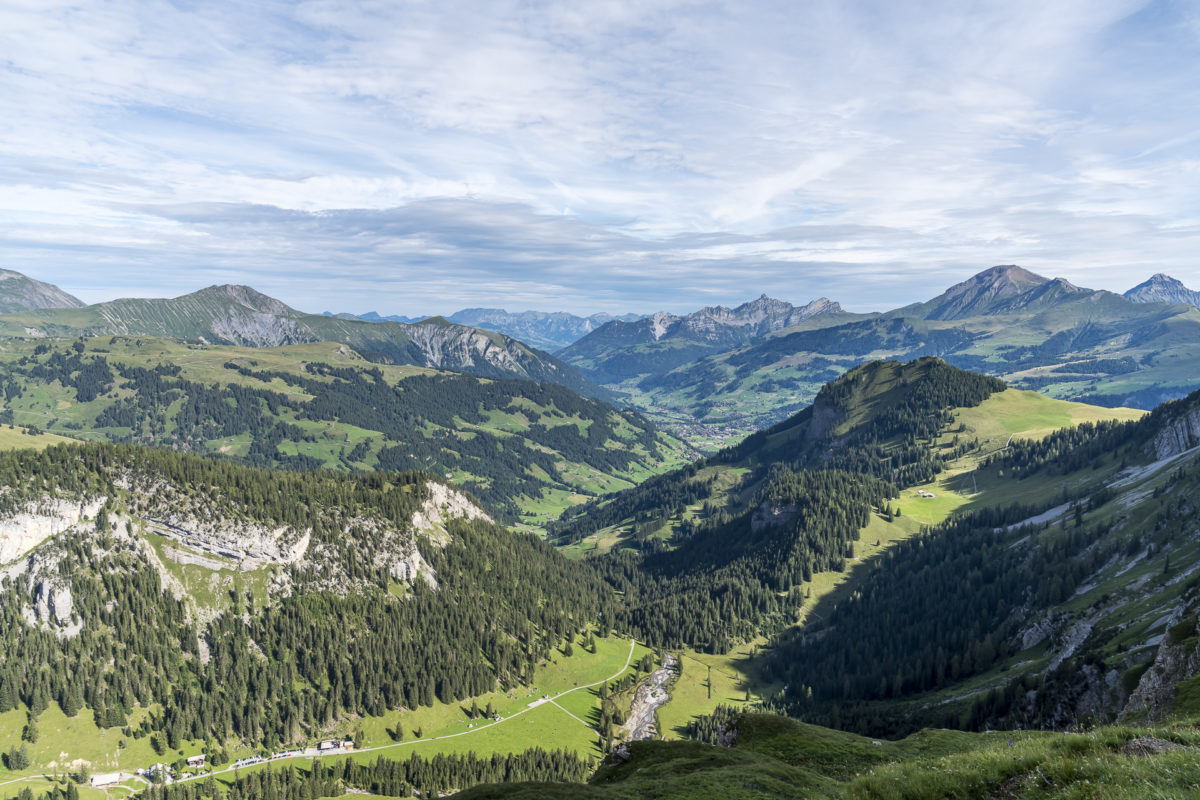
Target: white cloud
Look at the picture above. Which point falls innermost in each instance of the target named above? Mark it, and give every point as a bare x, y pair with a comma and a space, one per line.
415, 157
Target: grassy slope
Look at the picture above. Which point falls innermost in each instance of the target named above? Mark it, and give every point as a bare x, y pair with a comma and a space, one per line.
54, 406
777, 758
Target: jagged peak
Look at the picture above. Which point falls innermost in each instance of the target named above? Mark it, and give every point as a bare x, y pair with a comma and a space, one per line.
1163, 288
822, 305
1159, 280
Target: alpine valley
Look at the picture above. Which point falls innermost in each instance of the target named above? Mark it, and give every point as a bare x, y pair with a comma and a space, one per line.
949, 550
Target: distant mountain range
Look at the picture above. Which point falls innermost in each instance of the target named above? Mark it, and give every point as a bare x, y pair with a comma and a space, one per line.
546, 330
717, 373
621, 350
239, 315
1035, 332
1163, 289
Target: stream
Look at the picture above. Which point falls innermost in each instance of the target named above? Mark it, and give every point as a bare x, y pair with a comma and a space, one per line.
648, 698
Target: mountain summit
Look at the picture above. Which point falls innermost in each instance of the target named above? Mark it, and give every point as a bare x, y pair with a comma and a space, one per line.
1162, 288
246, 296
978, 295
21, 293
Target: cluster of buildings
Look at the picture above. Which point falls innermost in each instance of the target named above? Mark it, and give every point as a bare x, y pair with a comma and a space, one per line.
164, 773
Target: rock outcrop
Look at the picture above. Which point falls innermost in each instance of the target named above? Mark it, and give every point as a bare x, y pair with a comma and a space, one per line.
1178, 434
1177, 659
41, 520
444, 503
53, 602
1161, 288
249, 546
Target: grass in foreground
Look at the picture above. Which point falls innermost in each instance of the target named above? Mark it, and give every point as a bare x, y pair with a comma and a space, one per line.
781, 758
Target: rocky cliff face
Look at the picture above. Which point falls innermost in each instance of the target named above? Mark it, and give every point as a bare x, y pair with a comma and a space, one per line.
443, 504
1177, 659
258, 329
249, 546
39, 521
755, 318
1178, 434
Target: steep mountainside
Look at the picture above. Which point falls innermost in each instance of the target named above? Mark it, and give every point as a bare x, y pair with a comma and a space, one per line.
991, 291
1069, 558
765, 517
1075, 576
239, 315
1162, 288
865, 422
21, 293
524, 448
619, 350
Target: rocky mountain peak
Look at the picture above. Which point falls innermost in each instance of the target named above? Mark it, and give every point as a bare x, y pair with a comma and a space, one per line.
19, 292
1162, 288
1000, 281
822, 305
981, 294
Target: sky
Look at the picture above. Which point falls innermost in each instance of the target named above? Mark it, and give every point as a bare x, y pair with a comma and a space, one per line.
416, 158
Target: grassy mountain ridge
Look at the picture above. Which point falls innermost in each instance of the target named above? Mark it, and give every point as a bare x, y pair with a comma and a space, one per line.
525, 448
239, 315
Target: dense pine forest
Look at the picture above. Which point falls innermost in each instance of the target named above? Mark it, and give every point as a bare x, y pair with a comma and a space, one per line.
905, 645
329, 652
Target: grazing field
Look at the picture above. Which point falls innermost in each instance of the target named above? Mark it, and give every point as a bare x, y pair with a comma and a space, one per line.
691, 697
15, 438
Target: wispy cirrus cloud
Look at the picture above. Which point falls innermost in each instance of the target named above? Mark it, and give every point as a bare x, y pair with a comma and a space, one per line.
620, 156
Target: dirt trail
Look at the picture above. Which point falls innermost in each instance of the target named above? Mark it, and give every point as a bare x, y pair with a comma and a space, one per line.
649, 697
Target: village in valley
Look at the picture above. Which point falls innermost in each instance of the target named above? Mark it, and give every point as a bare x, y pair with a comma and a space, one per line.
195, 767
